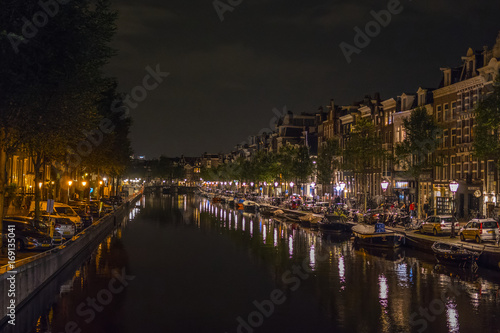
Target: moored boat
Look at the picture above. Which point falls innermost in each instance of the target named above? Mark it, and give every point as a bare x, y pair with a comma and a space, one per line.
334, 223
250, 206
456, 254
310, 220
267, 210
367, 235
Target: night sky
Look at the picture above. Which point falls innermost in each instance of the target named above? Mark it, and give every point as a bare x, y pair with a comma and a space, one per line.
226, 77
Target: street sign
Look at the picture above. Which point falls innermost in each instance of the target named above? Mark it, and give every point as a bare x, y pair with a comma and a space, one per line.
50, 206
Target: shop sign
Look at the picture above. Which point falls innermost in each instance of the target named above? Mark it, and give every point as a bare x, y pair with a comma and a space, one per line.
401, 185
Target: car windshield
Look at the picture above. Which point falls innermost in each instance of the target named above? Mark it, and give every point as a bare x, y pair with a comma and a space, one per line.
65, 211
63, 221
489, 224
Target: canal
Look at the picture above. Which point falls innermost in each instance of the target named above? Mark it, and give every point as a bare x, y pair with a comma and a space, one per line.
183, 264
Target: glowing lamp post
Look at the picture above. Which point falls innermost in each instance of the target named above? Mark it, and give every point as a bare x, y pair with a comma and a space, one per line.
84, 184
453, 189
291, 188
385, 185
69, 186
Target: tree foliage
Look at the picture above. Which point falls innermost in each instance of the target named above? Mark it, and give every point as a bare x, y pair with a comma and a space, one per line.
414, 153
422, 134
327, 163
486, 142
362, 151
51, 80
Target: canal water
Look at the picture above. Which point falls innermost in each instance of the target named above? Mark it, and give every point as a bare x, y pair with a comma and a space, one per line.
182, 264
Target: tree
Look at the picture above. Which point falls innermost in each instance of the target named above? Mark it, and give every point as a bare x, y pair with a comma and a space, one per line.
362, 152
327, 163
285, 163
302, 165
486, 143
413, 154
50, 80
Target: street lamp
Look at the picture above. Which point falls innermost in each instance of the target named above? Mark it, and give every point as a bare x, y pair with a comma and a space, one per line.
454, 189
84, 184
384, 185
291, 188
69, 185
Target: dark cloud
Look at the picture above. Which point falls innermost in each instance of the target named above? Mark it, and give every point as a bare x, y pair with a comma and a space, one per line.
226, 77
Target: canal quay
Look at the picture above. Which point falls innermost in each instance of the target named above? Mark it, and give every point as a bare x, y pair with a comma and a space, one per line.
180, 263
30, 280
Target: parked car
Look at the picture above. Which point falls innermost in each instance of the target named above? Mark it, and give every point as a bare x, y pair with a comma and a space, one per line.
439, 224
480, 230
39, 225
95, 209
320, 207
307, 206
60, 210
27, 237
86, 217
116, 199
62, 225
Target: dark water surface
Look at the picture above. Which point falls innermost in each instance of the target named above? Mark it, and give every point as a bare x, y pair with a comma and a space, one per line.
181, 264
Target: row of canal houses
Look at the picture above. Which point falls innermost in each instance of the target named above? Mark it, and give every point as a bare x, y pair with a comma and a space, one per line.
451, 104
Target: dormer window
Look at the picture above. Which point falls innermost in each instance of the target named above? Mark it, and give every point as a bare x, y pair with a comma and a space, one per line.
421, 98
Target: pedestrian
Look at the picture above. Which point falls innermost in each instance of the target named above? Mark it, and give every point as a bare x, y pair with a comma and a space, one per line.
412, 209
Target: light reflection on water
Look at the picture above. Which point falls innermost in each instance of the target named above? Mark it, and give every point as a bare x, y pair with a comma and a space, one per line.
350, 289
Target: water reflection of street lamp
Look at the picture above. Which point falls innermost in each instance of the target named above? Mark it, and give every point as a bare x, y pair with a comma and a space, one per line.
454, 189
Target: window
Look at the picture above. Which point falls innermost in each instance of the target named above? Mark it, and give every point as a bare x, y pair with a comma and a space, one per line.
453, 137
447, 115
438, 114
454, 110
422, 99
